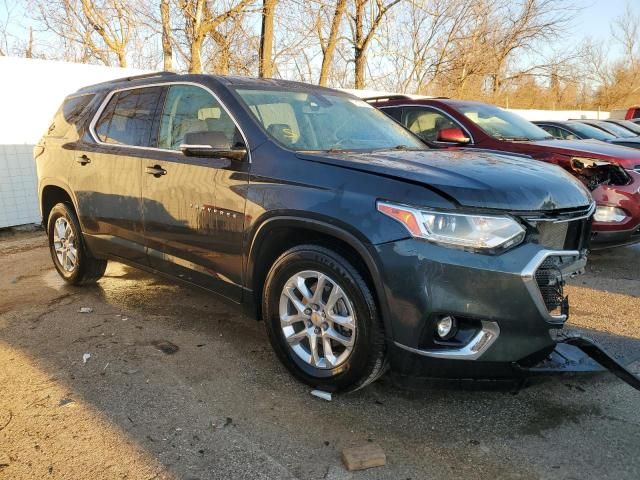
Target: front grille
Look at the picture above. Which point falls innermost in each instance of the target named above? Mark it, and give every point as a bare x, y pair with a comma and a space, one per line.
552, 235
550, 282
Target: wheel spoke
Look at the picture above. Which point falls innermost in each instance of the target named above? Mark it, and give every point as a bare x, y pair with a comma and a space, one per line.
338, 337
299, 306
317, 294
297, 337
335, 295
343, 321
60, 228
287, 320
71, 254
313, 347
303, 289
328, 351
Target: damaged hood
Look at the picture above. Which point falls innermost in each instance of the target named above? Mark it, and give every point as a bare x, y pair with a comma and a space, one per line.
625, 157
471, 178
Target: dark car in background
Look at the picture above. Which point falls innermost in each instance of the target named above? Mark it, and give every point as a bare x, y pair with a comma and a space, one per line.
576, 130
612, 173
610, 127
628, 124
359, 247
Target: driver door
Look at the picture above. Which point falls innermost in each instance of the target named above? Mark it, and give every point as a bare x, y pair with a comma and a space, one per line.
427, 123
194, 206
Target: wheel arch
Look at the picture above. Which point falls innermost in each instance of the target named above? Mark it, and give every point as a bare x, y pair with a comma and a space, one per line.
278, 234
52, 194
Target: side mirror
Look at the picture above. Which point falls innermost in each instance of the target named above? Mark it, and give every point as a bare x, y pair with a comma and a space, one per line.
211, 144
452, 135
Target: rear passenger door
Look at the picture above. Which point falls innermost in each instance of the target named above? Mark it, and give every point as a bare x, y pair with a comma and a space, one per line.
194, 206
106, 176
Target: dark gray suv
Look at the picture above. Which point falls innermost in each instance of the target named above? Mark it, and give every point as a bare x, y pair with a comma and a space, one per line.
358, 246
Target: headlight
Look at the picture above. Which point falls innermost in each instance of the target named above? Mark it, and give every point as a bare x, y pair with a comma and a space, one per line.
609, 215
478, 232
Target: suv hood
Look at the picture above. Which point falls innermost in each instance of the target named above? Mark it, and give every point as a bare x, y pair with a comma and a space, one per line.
471, 178
623, 156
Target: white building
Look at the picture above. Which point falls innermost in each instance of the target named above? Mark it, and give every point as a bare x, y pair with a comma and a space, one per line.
30, 93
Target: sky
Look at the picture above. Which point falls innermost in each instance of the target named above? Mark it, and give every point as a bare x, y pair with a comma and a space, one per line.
593, 20
596, 16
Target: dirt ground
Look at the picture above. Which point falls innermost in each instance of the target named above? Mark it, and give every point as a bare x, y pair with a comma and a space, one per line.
179, 386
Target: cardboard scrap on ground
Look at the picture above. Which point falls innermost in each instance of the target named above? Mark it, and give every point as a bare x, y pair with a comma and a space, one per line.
364, 456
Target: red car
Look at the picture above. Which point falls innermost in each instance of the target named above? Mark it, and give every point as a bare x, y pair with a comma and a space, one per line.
612, 173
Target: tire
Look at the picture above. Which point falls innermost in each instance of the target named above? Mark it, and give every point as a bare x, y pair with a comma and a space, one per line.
86, 269
336, 371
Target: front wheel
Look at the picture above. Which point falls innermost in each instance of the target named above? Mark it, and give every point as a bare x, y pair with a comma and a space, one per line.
322, 320
72, 260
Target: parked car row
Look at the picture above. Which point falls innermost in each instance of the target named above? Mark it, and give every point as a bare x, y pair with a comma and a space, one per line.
359, 245
611, 172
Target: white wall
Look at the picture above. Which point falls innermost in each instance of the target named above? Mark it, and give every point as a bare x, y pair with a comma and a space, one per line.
30, 93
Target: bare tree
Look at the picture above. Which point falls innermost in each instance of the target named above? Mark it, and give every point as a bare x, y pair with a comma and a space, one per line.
364, 30
329, 46
200, 22
266, 38
167, 50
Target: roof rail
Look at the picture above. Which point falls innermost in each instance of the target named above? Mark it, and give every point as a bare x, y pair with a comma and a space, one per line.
127, 79
386, 98
150, 75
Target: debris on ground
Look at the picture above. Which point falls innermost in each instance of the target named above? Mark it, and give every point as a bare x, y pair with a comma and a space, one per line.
86, 357
165, 346
321, 394
364, 456
85, 310
65, 401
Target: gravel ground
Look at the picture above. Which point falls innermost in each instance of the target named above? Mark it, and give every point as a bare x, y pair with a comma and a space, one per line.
179, 386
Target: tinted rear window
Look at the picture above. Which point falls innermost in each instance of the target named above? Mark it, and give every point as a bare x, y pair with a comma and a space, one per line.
68, 114
128, 117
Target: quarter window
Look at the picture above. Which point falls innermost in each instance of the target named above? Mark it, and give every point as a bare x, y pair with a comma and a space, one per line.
128, 117
426, 123
190, 109
68, 114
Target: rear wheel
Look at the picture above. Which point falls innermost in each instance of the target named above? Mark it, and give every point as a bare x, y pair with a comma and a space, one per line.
322, 320
68, 252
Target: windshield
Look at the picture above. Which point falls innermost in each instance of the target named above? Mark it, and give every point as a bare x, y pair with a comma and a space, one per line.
308, 121
587, 131
500, 123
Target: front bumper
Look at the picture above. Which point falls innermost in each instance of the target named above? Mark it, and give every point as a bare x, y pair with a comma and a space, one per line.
498, 296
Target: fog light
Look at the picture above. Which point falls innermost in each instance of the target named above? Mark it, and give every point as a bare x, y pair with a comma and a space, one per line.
446, 327
609, 215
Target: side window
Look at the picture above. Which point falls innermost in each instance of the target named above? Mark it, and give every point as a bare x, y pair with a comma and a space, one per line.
68, 114
393, 112
192, 109
426, 123
551, 130
128, 117
565, 134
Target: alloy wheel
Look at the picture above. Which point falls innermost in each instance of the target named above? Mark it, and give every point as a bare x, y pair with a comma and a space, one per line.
317, 319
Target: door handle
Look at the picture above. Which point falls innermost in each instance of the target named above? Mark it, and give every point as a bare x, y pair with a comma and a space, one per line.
83, 160
157, 171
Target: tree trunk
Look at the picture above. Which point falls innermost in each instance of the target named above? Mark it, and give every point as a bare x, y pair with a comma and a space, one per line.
358, 48
167, 51
266, 39
122, 58
195, 62
29, 51
361, 62
332, 41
